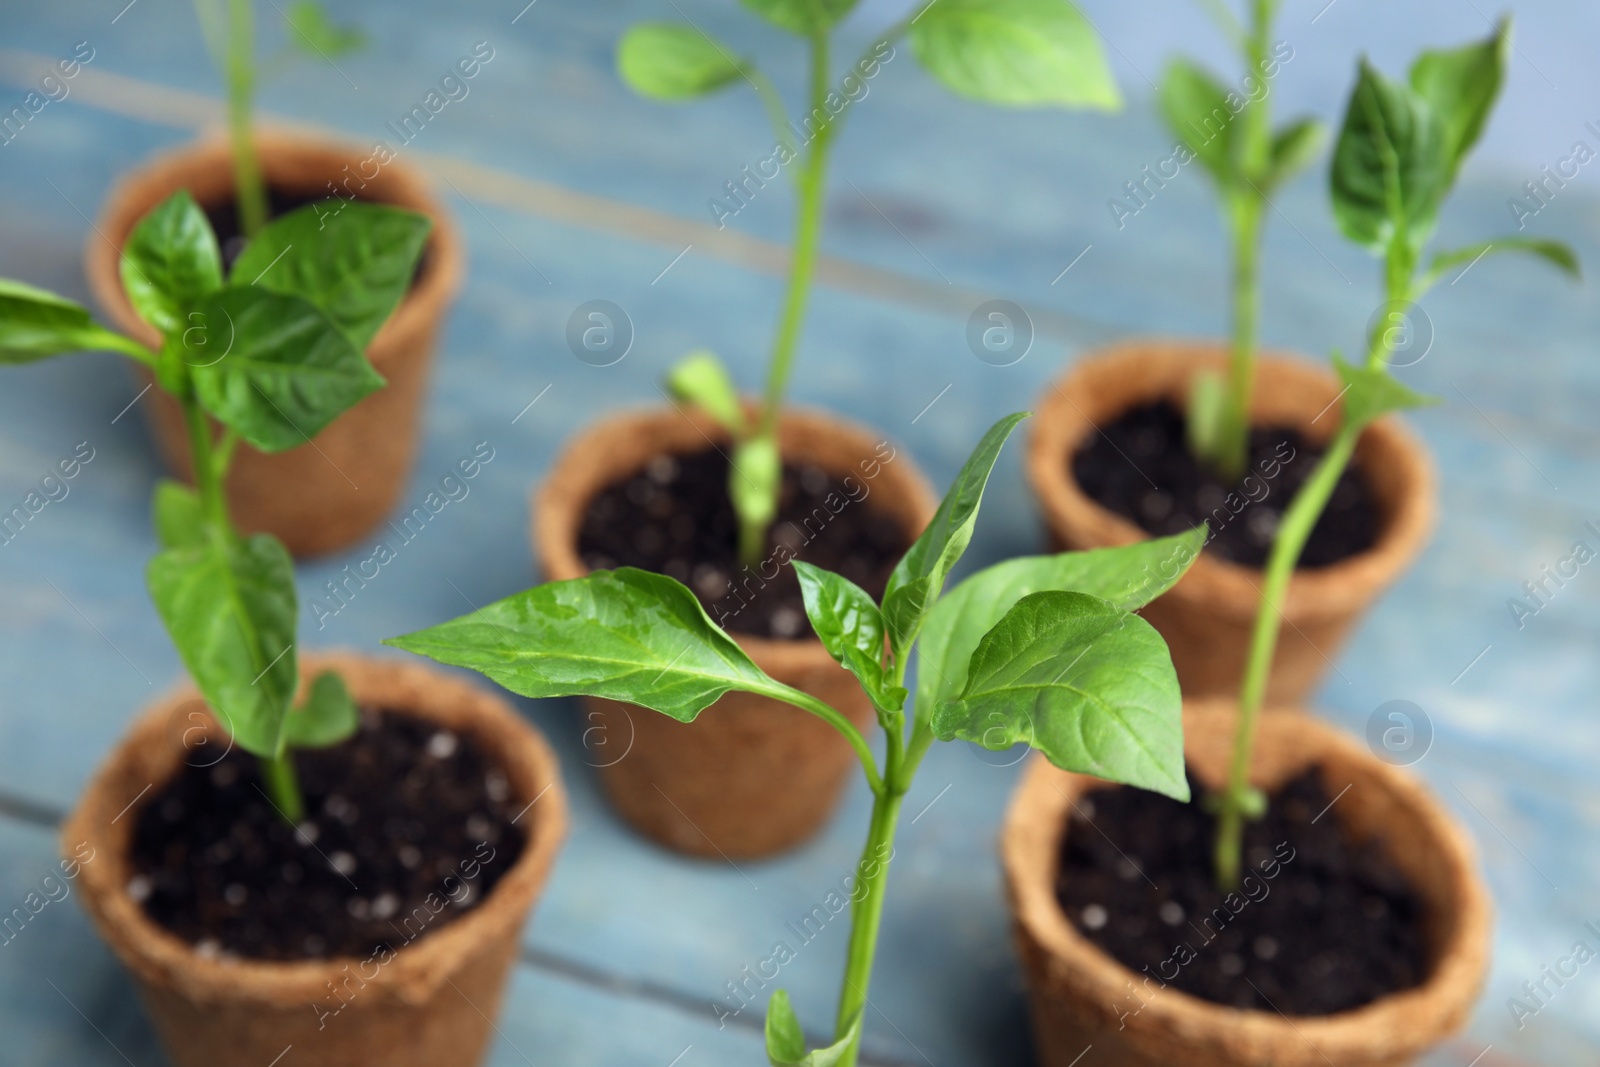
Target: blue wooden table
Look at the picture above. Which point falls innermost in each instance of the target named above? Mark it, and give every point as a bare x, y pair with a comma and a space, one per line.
569, 189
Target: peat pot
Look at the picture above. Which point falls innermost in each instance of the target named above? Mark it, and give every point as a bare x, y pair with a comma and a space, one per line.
325, 495
430, 1005
1080, 995
750, 776
1207, 617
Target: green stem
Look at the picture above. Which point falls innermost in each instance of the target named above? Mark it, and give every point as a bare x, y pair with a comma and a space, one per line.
1296, 527
1248, 203
127, 346
1294, 530
806, 702
210, 465
807, 234
207, 477
802, 265
1234, 434
224, 453
284, 785
866, 915
249, 190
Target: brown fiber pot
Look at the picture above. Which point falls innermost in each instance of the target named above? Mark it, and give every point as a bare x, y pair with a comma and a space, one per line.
749, 777
1079, 994
321, 496
431, 1005
1207, 617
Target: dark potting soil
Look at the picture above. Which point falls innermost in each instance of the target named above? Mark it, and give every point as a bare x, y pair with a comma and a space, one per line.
407, 828
1318, 925
674, 518
1148, 445
224, 219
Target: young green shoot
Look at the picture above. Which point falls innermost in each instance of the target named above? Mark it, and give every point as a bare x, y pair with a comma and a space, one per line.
273, 353
1018, 53
1043, 650
1397, 157
228, 27
1229, 131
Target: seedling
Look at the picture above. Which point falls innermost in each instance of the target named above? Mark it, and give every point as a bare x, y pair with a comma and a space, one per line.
273, 353
1396, 161
1043, 650
229, 30
1229, 131
1018, 53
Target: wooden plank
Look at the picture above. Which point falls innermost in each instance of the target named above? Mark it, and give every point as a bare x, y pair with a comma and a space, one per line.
80, 650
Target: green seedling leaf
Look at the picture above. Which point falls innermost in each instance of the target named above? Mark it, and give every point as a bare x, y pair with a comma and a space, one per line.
670, 61
312, 31
355, 264
271, 366
1128, 577
625, 635
1208, 407
178, 518
1557, 253
850, 627
700, 379
918, 578
755, 472
1391, 166
327, 717
170, 260
1460, 86
1372, 392
229, 606
1077, 678
804, 17
1293, 148
1196, 109
786, 1041
35, 324
1022, 53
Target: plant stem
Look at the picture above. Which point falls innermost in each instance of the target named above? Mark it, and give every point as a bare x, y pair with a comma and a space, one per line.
250, 192
847, 729
1248, 202
207, 476
866, 915
210, 465
1294, 530
807, 233
1234, 433
1296, 527
284, 785
811, 183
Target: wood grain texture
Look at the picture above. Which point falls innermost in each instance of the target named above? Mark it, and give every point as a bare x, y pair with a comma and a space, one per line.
950, 203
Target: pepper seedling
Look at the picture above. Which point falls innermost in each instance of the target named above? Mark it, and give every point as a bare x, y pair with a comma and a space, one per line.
1398, 154
1043, 650
228, 27
1019, 53
1229, 131
273, 352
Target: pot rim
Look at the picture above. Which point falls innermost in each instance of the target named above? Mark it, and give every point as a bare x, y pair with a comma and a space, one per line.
418, 969
1385, 1030
558, 504
1224, 587
207, 162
